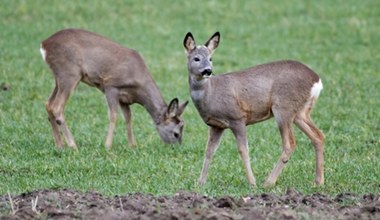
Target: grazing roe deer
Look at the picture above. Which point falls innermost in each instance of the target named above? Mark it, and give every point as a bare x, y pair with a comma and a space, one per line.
286, 90
76, 55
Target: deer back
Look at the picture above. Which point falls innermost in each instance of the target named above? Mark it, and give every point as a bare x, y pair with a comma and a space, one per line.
99, 61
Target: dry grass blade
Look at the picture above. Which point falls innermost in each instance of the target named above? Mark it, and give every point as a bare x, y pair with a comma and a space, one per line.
121, 205
34, 205
11, 202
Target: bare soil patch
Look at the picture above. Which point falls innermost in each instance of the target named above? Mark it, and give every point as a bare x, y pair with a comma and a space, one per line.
72, 204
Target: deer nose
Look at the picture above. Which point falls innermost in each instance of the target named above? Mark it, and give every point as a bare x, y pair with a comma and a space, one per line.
207, 72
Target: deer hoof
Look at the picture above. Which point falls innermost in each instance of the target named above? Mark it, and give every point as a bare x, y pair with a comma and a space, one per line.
319, 182
201, 182
269, 184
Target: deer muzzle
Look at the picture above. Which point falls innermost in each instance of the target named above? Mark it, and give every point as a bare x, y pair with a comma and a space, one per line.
207, 72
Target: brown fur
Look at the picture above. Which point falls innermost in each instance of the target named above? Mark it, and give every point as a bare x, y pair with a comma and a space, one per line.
76, 55
234, 100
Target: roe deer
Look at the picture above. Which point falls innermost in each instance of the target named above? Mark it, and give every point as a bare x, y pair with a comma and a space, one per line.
76, 55
286, 90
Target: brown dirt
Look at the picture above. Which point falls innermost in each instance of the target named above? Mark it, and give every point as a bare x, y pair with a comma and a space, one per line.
71, 204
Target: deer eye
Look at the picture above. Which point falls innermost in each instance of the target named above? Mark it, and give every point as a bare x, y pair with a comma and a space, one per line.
196, 59
210, 59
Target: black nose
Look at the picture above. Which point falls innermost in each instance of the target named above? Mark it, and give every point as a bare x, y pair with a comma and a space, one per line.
207, 72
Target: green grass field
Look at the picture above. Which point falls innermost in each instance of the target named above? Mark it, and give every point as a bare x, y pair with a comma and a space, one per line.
340, 40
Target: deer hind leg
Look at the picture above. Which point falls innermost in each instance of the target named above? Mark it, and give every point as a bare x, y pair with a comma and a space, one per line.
288, 146
213, 142
242, 145
128, 122
307, 126
112, 96
55, 108
54, 125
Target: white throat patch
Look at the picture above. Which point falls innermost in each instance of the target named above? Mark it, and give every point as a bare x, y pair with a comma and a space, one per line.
197, 94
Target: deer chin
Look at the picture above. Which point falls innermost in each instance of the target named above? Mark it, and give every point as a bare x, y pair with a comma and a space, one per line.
206, 76
199, 78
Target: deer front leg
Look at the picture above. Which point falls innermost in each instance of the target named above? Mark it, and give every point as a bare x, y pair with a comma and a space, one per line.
112, 100
212, 144
128, 122
242, 145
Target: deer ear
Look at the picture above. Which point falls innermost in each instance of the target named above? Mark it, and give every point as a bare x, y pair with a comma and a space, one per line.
172, 108
213, 42
181, 108
189, 42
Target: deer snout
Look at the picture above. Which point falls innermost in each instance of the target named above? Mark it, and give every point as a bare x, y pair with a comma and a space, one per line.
207, 72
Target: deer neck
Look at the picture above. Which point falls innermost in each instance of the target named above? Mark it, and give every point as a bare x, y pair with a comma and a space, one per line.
153, 101
199, 90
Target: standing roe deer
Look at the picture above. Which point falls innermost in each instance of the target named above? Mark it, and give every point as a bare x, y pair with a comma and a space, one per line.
286, 90
77, 55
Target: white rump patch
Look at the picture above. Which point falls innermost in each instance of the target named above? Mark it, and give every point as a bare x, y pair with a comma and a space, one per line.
43, 53
316, 89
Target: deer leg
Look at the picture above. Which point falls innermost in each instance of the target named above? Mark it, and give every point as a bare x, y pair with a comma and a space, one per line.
128, 122
112, 96
242, 145
304, 122
64, 89
54, 125
288, 146
213, 142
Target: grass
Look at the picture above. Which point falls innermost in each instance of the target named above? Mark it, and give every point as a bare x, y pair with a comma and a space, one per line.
340, 40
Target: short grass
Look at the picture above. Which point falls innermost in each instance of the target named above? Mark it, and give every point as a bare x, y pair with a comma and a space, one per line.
340, 40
